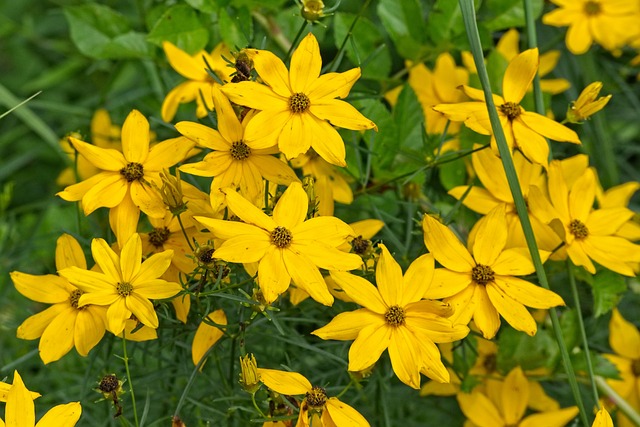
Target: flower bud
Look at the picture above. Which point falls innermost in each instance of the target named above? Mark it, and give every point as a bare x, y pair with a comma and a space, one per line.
586, 105
249, 377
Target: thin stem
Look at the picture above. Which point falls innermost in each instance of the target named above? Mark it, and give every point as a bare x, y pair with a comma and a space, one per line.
255, 405
623, 405
583, 333
333, 65
125, 358
192, 377
532, 41
184, 232
344, 390
272, 27
296, 39
468, 15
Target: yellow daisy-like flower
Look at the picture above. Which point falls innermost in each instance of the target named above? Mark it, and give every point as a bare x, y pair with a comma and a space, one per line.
298, 106
316, 409
610, 23
123, 185
482, 286
286, 246
235, 162
589, 234
524, 130
624, 339
330, 185
65, 324
433, 87
394, 317
125, 283
506, 406
20, 410
198, 87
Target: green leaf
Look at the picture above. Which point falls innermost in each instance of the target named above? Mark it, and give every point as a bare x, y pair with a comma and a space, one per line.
102, 33
235, 30
501, 14
207, 6
570, 328
181, 26
519, 349
601, 365
445, 21
607, 288
404, 22
367, 45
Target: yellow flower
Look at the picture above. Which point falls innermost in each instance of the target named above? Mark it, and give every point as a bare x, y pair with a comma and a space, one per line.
624, 339
395, 318
330, 185
508, 48
524, 130
234, 162
488, 168
507, 405
286, 246
198, 87
437, 86
125, 283
207, 335
298, 106
482, 286
589, 234
611, 23
312, 10
249, 377
65, 324
123, 183
587, 105
603, 419
316, 409
20, 410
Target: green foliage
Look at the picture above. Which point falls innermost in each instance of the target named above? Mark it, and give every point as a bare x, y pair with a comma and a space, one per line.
180, 25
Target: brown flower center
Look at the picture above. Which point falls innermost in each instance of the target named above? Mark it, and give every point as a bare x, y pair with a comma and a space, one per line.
578, 229
132, 172
316, 398
109, 384
299, 102
592, 8
124, 289
482, 274
240, 150
510, 109
635, 367
158, 236
281, 237
490, 363
74, 297
394, 315
360, 246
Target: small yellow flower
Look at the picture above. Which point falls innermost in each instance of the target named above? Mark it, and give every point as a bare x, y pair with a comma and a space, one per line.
249, 377
207, 335
298, 106
198, 87
611, 23
506, 406
65, 324
316, 409
481, 283
523, 130
125, 283
20, 410
287, 247
587, 105
312, 10
396, 318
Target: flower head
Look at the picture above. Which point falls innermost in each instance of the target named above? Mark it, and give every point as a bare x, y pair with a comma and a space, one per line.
481, 283
249, 377
125, 283
286, 246
394, 317
524, 130
317, 408
65, 324
587, 105
298, 107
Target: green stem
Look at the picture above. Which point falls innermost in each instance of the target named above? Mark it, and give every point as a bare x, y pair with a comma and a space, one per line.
184, 232
295, 40
333, 65
255, 405
125, 358
468, 15
532, 41
623, 405
583, 332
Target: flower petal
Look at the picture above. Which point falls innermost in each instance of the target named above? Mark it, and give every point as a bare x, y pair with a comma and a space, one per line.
107, 260
514, 396
287, 383
20, 410
326, 141
130, 258
207, 335
549, 128
464, 305
48, 289
486, 316
248, 212
69, 253
582, 196
135, 137
306, 275
512, 311
343, 414
405, 357
347, 325
532, 145
228, 123
188, 66
244, 248
33, 327
143, 309
333, 85
368, 347
389, 278
341, 114
272, 70
624, 337
305, 64
446, 283
361, 291
183, 93
445, 246
203, 135
117, 314
157, 289
167, 153
89, 329
66, 415
106, 159
417, 279
513, 262
152, 268
527, 293
107, 193
491, 236
479, 409
257, 96
273, 277
57, 338
327, 257
558, 418
291, 209
519, 75
88, 280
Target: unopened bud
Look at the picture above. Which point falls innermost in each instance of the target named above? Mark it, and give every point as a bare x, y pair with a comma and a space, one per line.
312, 10
171, 192
249, 377
586, 105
